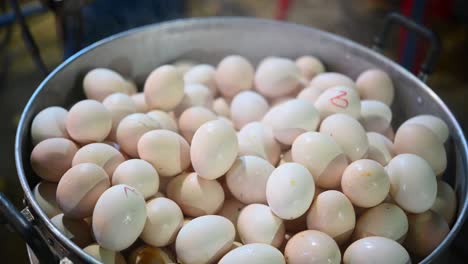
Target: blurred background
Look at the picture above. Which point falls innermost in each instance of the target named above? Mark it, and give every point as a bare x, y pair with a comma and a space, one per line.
36, 36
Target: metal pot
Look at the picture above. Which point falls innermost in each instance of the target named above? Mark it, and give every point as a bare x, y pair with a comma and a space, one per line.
137, 52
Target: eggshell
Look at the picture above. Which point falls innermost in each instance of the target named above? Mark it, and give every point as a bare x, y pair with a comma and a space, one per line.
290, 190
380, 148
348, 134
52, 157
101, 82
310, 94
164, 88
258, 224
333, 214
77, 230
257, 139
204, 239
49, 123
101, 154
138, 174
375, 84
119, 105
322, 156
385, 220
328, 80
192, 119
247, 179
254, 253
339, 99
231, 210
446, 202
365, 183
104, 255
119, 217
246, 107
167, 151
202, 74
375, 116
309, 66
196, 196
221, 107
130, 87
164, 219
376, 250
148, 254
290, 119
276, 77
130, 130
312, 246
140, 102
195, 95
164, 119
233, 75
410, 174
214, 149
426, 231
88, 121
433, 123
86, 181
44, 193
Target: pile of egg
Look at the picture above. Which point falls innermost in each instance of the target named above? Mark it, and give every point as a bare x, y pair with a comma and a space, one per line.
228, 164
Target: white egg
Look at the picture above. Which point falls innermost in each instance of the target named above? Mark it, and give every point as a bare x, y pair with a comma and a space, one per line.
276, 77
130, 130
375, 84
202, 74
257, 139
433, 123
310, 93
192, 119
246, 107
101, 82
164, 119
375, 116
328, 80
140, 102
101, 154
119, 105
380, 148
339, 99
49, 123
312, 246
164, 88
446, 202
138, 174
309, 66
376, 250
195, 95
233, 75
254, 253
221, 107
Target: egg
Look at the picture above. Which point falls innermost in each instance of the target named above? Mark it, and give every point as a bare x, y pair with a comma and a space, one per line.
147, 254
246, 107
258, 224
101, 154
221, 107
376, 249
77, 230
410, 174
204, 239
49, 123
88, 121
140, 102
247, 179
233, 75
290, 190
119, 217
44, 193
433, 123
164, 119
257, 139
328, 80
104, 255
309, 66
166, 150
385, 220
202, 74
310, 94
290, 119
163, 221
312, 246
231, 210
52, 157
426, 232
254, 253
164, 88
138, 174
446, 202
348, 134
365, 183
375, 116
86, 181
195, 95
130, 87
214, 149
380, 148
375, 84
119, 105
192, 119
130, 130
101, 82
195, 195
333, 214
276, 77
338, 99
322, 156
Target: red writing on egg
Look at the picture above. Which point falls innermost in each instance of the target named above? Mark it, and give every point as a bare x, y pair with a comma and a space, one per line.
128, 189
339, 100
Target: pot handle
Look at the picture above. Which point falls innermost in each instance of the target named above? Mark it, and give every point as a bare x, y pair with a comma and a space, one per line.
17, 221
435, 46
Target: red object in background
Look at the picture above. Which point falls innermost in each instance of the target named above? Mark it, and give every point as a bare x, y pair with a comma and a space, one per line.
282, 7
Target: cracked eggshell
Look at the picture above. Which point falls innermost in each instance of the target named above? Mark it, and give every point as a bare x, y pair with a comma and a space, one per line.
246, 107
164, 119
339, 99
375, 84
312, 246
328, 80
446, 202
233, 75
49, 123
380, 148
130, 130
138, 174
309, 66
119, 105
164, 88
254, 253
257, 139
192, 119
277, 77
202, 74
375, 116
376, 250
101, 154
101, 82
45, 195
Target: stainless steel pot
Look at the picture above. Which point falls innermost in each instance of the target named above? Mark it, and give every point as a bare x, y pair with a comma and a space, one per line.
137, 52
